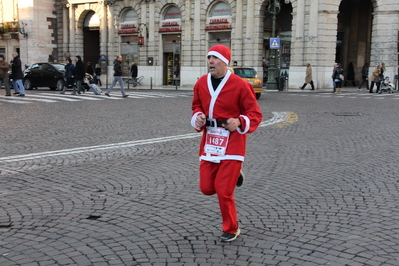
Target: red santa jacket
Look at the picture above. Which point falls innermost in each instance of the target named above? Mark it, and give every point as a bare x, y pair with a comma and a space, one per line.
234, 98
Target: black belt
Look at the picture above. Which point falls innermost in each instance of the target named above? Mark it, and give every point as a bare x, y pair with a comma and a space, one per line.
211, 123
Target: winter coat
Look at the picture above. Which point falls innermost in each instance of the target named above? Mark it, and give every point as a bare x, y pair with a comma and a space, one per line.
117, 68
4, 69
134, 71
80, 70
374, 76
308, 77
16, 69
69, 70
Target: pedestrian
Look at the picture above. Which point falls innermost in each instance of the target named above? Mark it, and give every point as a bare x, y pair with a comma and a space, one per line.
375, 78
235, 63
365, 76
225, 109
350, 75
90, 69
117, 77
17, 75
4, 67
308, 78
338, 78
97, 71
79, 75
134, 71
69, 72
382, 71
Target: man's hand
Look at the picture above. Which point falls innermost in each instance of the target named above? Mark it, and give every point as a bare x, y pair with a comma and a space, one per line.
232, 124
200, 120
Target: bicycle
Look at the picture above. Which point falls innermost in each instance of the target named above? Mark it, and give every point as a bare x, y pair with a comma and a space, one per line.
135, 82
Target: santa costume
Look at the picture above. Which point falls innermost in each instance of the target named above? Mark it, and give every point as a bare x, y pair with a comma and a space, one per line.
221, 151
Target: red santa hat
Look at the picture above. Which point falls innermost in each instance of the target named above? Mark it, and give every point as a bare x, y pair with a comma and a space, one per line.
222, 52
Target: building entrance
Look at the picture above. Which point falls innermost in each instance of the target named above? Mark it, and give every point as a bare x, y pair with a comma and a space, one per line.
171, 60
354, 37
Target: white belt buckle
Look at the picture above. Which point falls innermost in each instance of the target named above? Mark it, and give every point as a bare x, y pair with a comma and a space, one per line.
213, 123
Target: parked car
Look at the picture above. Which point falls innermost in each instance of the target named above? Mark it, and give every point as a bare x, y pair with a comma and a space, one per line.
249, 74
44, 75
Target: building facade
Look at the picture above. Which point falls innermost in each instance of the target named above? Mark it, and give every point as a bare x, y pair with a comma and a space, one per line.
169, 39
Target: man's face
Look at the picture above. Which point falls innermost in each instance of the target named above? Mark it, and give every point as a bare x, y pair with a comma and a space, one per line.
14, 55
1, 59
217, 67
119, 58
76, 59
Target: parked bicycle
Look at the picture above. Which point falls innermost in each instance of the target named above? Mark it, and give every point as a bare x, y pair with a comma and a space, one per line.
135, 82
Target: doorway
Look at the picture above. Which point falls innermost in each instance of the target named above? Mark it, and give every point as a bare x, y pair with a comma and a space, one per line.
354, 35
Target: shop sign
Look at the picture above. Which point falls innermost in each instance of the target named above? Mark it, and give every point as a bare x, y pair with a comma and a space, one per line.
218, 27
127, 31
172, 29
171, 23
218, 21
127, 26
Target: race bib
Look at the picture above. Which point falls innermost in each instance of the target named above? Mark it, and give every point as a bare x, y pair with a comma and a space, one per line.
216, 140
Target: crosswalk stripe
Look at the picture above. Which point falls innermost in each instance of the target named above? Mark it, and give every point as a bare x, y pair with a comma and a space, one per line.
74, 96
55, 97
28, 98
13, 101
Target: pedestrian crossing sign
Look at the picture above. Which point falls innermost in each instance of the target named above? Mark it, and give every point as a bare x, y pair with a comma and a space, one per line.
274, 43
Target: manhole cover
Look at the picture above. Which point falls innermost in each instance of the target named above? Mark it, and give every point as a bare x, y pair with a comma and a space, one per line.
346, 114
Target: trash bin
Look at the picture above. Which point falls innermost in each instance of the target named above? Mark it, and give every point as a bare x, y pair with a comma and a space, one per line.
280, 83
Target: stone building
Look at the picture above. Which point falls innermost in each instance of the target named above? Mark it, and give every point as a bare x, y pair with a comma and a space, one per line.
169, 38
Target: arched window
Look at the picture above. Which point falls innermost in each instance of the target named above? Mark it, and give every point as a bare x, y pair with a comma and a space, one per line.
220, 9
129, 16
172, 13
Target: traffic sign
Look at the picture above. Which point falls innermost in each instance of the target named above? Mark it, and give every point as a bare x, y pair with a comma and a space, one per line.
274, 43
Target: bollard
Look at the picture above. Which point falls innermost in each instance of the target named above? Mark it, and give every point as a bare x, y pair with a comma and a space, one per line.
151, 83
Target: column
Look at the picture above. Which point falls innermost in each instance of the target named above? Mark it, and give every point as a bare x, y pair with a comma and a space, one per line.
72, 30
237, 39
65, 40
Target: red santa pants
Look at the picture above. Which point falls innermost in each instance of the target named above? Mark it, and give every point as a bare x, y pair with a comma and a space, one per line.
221, 178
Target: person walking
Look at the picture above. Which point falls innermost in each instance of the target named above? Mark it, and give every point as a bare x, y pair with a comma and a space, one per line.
117, 77
308, 78
225, 109
97, 78
79, 75
90, 69
4, 67
350, 75
375, 78
337, 77
365, 76
17, 75
69, 80
134, 71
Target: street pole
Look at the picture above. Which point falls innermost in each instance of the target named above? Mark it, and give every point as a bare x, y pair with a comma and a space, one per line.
274, 8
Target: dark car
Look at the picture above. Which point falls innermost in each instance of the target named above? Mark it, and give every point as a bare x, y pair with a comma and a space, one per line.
44, 75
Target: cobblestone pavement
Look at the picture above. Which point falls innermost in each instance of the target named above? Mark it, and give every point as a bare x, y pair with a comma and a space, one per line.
114, 182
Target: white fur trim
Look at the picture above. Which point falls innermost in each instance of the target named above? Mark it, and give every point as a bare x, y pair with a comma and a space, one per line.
217, 159
247, 124
218, 55
193, 119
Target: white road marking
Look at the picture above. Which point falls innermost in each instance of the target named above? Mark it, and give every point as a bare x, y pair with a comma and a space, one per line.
55, 97
62, 96
278, 117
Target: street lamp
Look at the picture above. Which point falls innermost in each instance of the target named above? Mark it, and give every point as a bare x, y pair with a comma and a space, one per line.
274, 9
